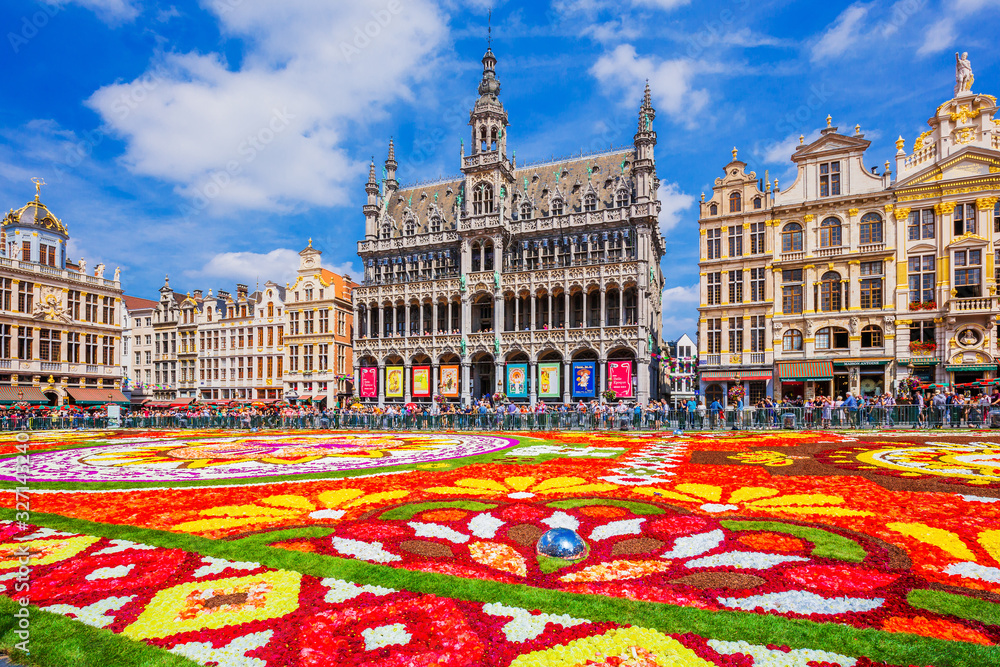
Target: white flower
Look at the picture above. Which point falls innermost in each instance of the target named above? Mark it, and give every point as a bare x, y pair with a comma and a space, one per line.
765, 657
615, 528
232, 654
526, 625
746, 560
437, 530
716, 508
117, 546
110, 572
562, 520
485, 526
370, 551
974, 571
95, 614
695, 545
385, 635
326, 514
341, 591
44, 532
978, 499
217, 565
802, 602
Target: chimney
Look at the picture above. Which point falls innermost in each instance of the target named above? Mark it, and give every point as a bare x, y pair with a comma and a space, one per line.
197, 295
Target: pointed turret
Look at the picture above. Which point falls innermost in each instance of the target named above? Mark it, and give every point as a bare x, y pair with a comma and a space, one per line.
390, 168
644, 169
371, 205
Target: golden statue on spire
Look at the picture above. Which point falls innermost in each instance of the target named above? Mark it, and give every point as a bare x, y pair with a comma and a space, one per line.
39, 182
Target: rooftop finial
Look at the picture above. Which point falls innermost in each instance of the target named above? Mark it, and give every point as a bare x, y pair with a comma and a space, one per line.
489, 29
829, 120
39, 182
734, 153
310, 242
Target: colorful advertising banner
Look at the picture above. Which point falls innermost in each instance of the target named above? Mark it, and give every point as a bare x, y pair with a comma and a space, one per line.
584, 375
620, 378
517, 380
450, 385
369, 382
394, 381
421, 381
548, 381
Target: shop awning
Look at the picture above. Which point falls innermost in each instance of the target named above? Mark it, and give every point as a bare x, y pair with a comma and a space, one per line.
180, 402
726, 376
920, 361
862, 362
972, 368
755, 375
22, 394
805, 370
157, 404
95, 396
305, 399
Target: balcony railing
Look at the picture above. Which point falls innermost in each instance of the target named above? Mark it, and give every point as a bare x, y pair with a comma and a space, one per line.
51, 366
975, 304
713, 360
872, 247
757, 358
829, 252
792, 256
5, 363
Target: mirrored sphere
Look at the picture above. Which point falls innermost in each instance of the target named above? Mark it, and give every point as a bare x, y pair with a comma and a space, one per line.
562, 543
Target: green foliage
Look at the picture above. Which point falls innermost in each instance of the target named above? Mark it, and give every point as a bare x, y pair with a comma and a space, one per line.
825, 543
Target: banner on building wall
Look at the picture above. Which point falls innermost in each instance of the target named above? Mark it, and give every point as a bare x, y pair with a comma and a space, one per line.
548, 381
422, 381
450, 383
369, 382
584, 376
620, 378
394, 381
517, 380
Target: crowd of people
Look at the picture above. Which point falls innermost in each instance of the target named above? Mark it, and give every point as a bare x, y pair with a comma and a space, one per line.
936, 409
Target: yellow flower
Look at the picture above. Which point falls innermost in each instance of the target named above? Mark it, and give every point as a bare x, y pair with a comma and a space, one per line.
754, 498
283, 509
521, 487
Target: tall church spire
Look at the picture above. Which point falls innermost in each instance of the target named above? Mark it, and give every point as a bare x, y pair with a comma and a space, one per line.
390, 168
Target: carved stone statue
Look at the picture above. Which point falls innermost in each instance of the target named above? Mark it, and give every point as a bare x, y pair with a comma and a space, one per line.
777, 327
83, 265
461, 282
968, 338
963, 73
118, 276
854, 325
99, 270
890, 325
809, 327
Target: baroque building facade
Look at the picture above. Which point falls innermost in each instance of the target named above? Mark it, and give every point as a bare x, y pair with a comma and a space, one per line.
137, 348
856, 280
60, 327
540, 281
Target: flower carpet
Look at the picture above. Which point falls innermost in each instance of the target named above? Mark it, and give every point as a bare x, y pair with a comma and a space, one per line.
806, 549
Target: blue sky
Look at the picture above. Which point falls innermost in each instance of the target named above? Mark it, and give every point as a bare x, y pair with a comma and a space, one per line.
209, 139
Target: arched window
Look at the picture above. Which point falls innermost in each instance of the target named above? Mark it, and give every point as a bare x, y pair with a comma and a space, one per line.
526, 210
757, 203
791, 237
832, 338
713, 209
209, 311
622, 198
792, 341
871, 228
385, 232
713, 392
476, 257
735, 203
590, 202
830, 233
482, 199
493, 139
436, 223
487, 256
871, 336
557, 206
410, 227
830, 292
482, 138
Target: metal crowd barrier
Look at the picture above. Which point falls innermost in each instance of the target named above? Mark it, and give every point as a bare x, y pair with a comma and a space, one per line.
775, 418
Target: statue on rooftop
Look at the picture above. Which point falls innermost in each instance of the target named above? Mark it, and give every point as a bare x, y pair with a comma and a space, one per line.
963, 73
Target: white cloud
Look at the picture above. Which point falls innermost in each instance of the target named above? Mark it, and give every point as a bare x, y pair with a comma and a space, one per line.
781, 151
661, 4
680, 314
623, 71
843, 34
269, 135
672, 202
279, 265
938, 37
109, 11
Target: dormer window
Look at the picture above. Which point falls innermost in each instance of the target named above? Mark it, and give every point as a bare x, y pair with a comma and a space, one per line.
735, 203
713, 209
829, 179
410, 228
590, 202
482, 199
621, 199
757, 203
526, 210
436, 223
557, 206
386, 231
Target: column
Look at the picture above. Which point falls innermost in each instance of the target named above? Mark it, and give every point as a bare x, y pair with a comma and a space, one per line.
406, 382
550, 309
566, 314
498, 314
621, 307
604, 307
381, 384
567, 367
434, 379
451, 316
466, 380
602, 370
534, 311
498, 378
406, 319
356, 320
517, 312
533, 382
466, 315
643, 377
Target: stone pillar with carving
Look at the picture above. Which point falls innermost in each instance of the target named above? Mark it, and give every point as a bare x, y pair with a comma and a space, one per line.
533, 382
602, 371
604, 308
534, 311
643, 372
498, 313
498, 378
466, 381
517, 312
567, 379
407, 372
567, 309
381, 383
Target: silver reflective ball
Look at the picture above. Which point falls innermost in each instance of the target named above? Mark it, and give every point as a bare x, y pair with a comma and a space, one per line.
562, 543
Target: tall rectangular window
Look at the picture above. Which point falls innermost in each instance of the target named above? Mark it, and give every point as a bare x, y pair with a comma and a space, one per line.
260, 336
921, 273
791, 291
5, 293
107, 310
324, 360
920, 225
757, 284
25, 342
90, 349
293, 357
714, 241
49, 345
4, 341
260, 368
968, 273
25, 297
324, 321
307, 322
73, 306
829, 179
757, 324
965, 219
26, 251
307, 358
736, 286
73, 347
756, 238
736, 241
736, 334
871, 284
293, 324
108, 352
714, 282
713, 328
90, 307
